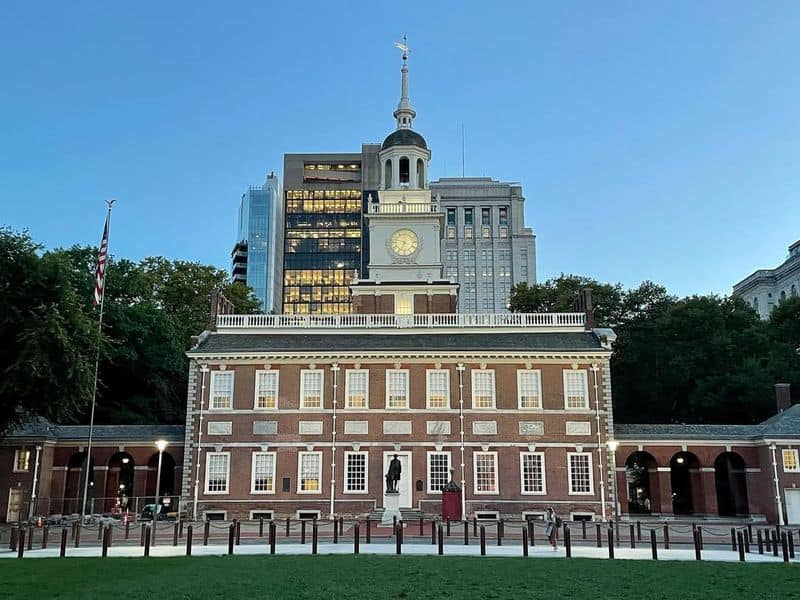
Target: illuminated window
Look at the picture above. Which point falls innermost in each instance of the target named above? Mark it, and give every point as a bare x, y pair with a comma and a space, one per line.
263, 474
311, 388
356, 388
309, 472
22, 461
221, 390
438, 471
529, 389
397, 388
404, 304
266, 389
485, 466
438, 388
217, 472
790, 460
580, 472
483, 391
576, 389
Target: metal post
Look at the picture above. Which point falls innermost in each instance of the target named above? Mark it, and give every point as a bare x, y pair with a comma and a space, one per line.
189, 533
341, 525
433, 532
335, 533
21, 543
261, 527
355, 538
175, 534
474, 526
398, 541
127, 529
733, 539
583, 527
62, 552
700, 536
314, 534
774, 544
46, 534
78, 534
303, 531
466, 533
287, 526
598, 536
147, 542
483, 540
666, 536
760, 542
31, 532
785, 546
499, 532
610, 542
238, 532
231, 536
638, 531
273, 537
104, 552
696, 536
524, 541
448, 527
790, 538
369, 531
568, 541
633, 540
206, 532
400, 530
421, 527
141, 535
653, 545
739, 537
441, 542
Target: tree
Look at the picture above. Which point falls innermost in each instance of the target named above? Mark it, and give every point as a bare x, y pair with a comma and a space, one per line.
559, 294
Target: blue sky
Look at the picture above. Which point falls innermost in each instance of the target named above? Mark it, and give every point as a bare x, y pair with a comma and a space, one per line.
654, 140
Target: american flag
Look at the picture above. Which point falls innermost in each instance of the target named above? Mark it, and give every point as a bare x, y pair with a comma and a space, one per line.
100, 272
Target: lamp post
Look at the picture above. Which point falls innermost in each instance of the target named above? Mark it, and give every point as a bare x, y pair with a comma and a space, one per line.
612, 450
204, 370
594, 369
161, 445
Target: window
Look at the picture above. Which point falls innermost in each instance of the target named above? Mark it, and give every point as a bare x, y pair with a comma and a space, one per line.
576, 390
485, 464
404, 304
790, 460
580, 472
451, 233
311, 388
469, 271
263, 475
397, 388
452, 256
529, 389
483, 389
267, 389
503, 231
355, 472
438, 471
22, 461
356, 388
487, 255
267, 515
309, 472
452, 273
451, 216
308, 515
486, 232
468, 232
217, 472
486, 270
503, 214
487, 515
531, 468
221, 390
467, 216
486, 216
469, 255
438, 388
215, 515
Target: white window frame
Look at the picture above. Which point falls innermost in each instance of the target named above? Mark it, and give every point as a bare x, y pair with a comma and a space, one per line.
253, 472
585, 375
389, 373
521, 373
483, 515
224, 514
796, 453
406, 300
572, 492
227, 489
538, 515
428, 374
212, 382
271, 513
582, 513
475, 374
430, 454
303, 373
300, 456
475, 456
17, 454
347, 456
276, 374
300, 511
522, 489
348, 388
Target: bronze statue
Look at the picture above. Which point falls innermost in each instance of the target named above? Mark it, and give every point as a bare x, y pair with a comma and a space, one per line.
393, 474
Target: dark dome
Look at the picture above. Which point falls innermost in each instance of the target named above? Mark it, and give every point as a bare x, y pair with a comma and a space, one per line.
404, 137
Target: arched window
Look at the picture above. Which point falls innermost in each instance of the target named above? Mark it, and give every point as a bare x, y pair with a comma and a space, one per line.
755, 303
793, 291
420, 173
783, 295
404, 170
387, 174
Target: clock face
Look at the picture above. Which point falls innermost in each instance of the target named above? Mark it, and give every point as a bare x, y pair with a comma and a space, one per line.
404, 242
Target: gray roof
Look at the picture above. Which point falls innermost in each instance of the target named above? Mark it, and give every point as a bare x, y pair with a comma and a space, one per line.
404, 137
41, 428
282, 342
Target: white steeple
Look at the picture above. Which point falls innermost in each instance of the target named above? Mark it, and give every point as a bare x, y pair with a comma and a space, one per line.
404, 113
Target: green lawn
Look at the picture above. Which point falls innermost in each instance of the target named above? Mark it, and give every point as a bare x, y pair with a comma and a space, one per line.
459, 578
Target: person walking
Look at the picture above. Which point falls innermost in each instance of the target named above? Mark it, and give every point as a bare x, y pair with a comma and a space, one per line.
552, 523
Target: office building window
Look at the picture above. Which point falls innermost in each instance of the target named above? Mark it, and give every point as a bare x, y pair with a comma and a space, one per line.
486, 216
529, 389
483, 391
485, 465
576, 389
503, 215
263, 475
469, 255
452, 273
486, 270
438, 388
532, 472
266, 389
311, 388
355, 474
356, 388
580, 472
309, 472
468, 216
397, 388
468, 232
221, 390
438, 471
451, 216
452, 256
217, 472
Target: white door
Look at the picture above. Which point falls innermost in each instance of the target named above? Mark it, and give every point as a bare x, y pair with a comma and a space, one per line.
792, 506
14, 505
404, 485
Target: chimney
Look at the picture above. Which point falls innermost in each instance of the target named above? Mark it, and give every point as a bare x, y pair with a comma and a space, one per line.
583, 303
783, 396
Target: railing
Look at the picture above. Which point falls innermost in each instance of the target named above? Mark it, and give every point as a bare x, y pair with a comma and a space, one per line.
421, 321
394, 208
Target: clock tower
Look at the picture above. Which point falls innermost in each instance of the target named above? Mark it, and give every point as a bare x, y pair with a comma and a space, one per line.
405, 227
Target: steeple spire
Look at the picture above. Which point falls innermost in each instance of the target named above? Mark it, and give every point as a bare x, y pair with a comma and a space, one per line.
404, 113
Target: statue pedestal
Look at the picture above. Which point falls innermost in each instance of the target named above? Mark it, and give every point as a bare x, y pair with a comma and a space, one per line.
451, 505
391, 506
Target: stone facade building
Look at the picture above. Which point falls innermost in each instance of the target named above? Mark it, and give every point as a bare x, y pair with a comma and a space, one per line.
766, 288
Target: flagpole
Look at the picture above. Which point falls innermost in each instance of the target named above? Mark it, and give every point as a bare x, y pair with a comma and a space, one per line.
107, 235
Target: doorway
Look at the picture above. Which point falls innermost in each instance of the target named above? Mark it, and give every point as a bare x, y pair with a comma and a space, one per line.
792, 506
14, 505
404, 485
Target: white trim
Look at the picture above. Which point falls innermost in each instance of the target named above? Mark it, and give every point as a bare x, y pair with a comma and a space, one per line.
407, 389
300, 510
347, 455
17, 452
428, 373
538, 374
582, 513
227, 474
300, 455
484, 515
428, 467
253, 472
476, 372
270, 511
212, 380
569, 474
256, 390
538, 515
585, 378
522, 491
347, 374
496, 491
796, 460
224, 514
303, 373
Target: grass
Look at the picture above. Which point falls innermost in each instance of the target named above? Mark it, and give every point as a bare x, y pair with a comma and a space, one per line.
406, 577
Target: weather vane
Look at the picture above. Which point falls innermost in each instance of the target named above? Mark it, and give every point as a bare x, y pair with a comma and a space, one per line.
403, 46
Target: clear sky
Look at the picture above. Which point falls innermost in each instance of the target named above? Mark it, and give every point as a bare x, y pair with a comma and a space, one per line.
654, 140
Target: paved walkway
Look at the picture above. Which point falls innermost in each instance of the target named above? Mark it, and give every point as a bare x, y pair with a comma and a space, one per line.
412, 549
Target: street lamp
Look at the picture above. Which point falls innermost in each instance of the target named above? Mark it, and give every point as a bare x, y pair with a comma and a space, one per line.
612, 446
161, 445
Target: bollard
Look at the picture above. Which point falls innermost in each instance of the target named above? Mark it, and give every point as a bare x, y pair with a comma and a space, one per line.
610, 542
180, 529
30, 538
530, 532
400, 530
448, 527
100, 532
568, 541
441, 542
474, 526
499, 533
433, 532
398, 541
154, 530
597, 536
341, 525
639, 531
733, 539
666, 536
287, 527
147, 542
750, 533
46, 535
127, 529
466, 533
206, 531
110, 535
273, 535
269, 532
62, 552
790, 538
231, 537
767, 546
524, 541
21, 544
175, 534
421, 526
739, 538
746, 543
785, 546
104, 552
774, 543
633, 540
189, 533
314, 534
74, 526
335, 533
394, 524
261, 527
653, 544
303, 532
238, 532
700, 536
760, 542
369, 531
483, 540
696, 536
12, 542
78, 535
583, 528
355, 538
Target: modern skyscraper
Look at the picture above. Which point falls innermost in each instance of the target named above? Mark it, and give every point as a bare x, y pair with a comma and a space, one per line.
486, 246
253, 258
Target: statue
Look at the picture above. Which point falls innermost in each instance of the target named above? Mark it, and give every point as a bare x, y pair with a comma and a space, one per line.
393, 474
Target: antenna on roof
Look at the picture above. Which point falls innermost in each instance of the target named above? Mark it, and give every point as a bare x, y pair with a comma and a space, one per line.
462, 150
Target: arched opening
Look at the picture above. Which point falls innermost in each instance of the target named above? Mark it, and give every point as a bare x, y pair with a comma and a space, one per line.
783, 295
731, 484
119, 482
167, 477
686, 485
793, 291
387, 174
75, 481
420, 173
403, 170
641, 475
